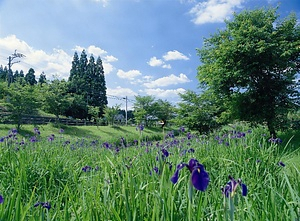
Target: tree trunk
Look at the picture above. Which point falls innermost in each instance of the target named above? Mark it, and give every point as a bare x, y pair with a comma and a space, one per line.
271, 129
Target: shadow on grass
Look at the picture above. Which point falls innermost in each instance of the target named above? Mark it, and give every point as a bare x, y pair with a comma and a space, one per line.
78, 132
291, 138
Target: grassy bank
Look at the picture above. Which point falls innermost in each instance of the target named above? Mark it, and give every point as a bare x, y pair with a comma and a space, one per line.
103, 133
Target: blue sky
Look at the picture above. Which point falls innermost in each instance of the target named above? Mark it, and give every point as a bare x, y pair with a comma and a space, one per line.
148, 47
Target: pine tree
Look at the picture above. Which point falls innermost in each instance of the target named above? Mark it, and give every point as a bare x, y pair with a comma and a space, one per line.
42, 79
87, 80
101, 86
30, 77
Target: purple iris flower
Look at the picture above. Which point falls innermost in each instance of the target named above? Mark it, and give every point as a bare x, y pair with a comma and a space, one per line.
140, 127
199, 177
281, 164
165, 153
86, 169
45, 205
36, 131
51, 137
275, 140
230, 188
1, 199
33, 139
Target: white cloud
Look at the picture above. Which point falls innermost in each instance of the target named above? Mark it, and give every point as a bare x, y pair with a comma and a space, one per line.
128, 74
167, 66
121, 92
56, 63
174, 55
108, 68
92, 49
96, 51
154, 62
166, 94
110, 58
168, 80
212, 11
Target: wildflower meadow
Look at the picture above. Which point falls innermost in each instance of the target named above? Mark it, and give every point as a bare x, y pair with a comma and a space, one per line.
235, 173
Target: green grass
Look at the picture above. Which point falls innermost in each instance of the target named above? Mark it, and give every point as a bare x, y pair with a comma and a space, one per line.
104, 133
123, 185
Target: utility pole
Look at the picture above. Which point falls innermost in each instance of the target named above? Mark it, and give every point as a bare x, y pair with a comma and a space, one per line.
125, 109
10, 63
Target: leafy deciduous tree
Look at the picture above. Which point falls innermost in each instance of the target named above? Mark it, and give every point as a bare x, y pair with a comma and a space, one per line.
252, 66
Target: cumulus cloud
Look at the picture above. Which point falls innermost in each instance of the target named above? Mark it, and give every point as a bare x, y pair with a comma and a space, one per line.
164, 94
170, 55
92, 49
110, 58
168, 80
56, 63
174, 55
128, 74
212, 11
121, 92
154, 62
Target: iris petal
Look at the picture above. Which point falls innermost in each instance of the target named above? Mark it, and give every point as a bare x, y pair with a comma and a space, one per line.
244, 189
174, 178
200, 178
192, 164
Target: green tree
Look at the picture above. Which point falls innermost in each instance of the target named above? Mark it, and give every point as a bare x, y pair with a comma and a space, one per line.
56, 100
197, 111
87, 79
20, 100
78, 107
42, 79
2, 74
30, 77
100, 87
143, 108
251, 66
111, 112
163, 110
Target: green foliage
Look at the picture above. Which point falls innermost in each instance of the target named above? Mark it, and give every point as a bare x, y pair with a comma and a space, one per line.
30, 77
252, 66
55, 98
87, 80
78, 108
111, 112
20, 100
197, 112
42, 79
143, 108
147, 109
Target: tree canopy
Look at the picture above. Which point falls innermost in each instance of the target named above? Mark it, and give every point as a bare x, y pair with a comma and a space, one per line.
251, 66
87, 80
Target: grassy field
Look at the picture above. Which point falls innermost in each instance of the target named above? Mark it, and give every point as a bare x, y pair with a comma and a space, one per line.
90, 173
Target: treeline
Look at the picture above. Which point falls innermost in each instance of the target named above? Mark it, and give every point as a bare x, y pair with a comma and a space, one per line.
83, 96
